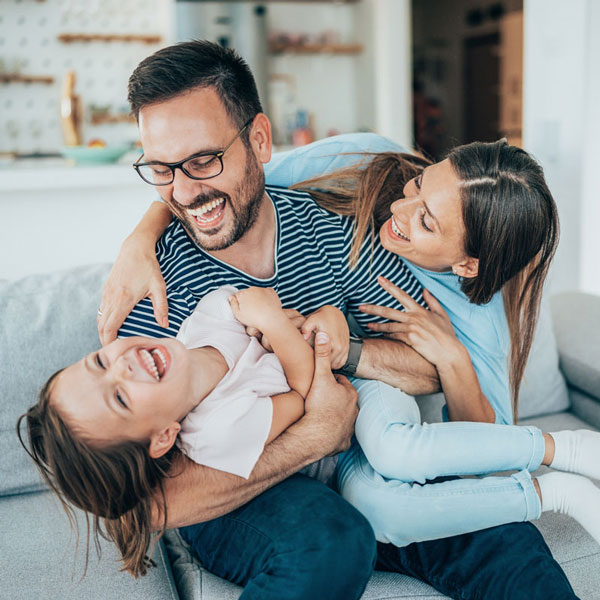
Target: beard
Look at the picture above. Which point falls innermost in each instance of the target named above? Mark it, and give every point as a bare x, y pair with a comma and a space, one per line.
248, 195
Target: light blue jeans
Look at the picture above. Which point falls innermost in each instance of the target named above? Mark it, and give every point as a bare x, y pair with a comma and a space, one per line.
393, 455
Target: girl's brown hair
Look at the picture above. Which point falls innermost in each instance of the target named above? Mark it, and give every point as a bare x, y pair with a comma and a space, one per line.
119, 483
510, 218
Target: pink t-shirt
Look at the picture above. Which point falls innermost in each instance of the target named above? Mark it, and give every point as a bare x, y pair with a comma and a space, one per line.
229, 428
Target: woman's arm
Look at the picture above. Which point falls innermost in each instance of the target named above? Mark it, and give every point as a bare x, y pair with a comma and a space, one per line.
135, 275
431, 334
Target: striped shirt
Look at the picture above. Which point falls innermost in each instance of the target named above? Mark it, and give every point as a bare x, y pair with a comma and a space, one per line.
311, 268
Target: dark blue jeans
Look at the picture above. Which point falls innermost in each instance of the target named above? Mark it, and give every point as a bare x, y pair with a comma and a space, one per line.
300, 540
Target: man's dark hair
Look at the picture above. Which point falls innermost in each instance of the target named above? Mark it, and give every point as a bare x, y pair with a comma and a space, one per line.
197, 64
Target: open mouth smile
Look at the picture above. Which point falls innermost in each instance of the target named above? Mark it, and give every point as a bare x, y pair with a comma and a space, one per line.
209, 214
397, 232
155, 361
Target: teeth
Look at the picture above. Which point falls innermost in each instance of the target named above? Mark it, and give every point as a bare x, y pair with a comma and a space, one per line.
397, 231
147, 357
163, 360
198, 212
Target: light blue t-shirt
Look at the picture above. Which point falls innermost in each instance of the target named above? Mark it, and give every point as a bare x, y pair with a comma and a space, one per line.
483, 329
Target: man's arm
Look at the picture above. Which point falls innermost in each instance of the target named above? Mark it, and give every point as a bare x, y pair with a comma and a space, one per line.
399, 365
197, 493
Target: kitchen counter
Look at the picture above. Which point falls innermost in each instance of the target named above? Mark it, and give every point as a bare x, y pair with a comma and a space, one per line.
54, 215
57, 173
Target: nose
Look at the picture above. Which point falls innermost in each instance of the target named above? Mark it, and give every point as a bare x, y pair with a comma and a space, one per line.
184, 189
402, 209
122, 368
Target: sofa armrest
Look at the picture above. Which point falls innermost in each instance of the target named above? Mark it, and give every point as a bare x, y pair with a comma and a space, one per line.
576, 319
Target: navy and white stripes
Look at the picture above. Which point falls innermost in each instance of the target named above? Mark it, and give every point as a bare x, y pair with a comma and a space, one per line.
311, 268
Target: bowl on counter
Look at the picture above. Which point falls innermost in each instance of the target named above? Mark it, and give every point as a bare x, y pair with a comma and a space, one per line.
89, 155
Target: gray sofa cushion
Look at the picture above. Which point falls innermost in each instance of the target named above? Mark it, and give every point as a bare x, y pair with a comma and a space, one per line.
578, 333
543, 389
47, 322
38, 558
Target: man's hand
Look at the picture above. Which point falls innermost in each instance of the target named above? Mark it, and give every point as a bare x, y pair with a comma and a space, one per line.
332, 321
331, 405
134, 276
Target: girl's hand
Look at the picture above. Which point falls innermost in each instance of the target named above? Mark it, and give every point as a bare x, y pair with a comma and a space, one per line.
429, 332
293, 315
257, 307
332, 321
135, 275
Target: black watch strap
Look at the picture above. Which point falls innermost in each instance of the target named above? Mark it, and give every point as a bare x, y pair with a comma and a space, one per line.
354, 353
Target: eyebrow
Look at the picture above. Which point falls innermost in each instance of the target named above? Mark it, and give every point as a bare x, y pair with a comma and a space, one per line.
194, 154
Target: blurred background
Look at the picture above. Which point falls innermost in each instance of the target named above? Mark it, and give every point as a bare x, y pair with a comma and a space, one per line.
429, 74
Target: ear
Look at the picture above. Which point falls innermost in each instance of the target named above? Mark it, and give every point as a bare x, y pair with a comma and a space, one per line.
468, 268
162, 442
260, 137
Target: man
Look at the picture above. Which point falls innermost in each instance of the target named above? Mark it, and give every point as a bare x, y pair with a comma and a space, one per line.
204, 138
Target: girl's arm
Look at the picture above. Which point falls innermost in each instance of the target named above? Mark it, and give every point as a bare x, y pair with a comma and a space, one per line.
136, 275
261, 308
431, 334
287, 409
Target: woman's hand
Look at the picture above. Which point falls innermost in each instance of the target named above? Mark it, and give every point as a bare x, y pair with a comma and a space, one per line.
429, 332
332, 321
135, 275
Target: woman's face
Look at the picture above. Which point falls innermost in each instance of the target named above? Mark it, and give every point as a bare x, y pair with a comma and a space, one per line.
426, 226
130, 389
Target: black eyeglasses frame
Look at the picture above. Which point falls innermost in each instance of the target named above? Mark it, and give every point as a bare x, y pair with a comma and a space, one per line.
179, 164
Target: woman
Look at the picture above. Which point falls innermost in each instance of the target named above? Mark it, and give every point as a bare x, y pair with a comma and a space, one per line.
479, 222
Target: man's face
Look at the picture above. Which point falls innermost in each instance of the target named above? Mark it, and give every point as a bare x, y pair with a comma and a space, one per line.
215, 212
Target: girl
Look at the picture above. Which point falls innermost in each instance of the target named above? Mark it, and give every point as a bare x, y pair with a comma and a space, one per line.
104, 430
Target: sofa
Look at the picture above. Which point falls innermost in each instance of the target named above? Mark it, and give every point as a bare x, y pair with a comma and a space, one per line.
48, 321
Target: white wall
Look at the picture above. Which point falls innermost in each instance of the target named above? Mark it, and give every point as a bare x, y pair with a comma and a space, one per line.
561, 127
590, 181
392, 64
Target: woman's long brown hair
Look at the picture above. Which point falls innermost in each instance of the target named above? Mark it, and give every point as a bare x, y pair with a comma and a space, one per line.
510, 218
119, 483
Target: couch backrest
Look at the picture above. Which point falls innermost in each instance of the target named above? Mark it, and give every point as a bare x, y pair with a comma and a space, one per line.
46, 322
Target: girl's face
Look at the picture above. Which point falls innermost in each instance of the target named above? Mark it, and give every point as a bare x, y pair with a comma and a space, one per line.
426, 226
131, 389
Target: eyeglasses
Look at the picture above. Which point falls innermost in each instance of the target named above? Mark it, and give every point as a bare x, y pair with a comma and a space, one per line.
203, 165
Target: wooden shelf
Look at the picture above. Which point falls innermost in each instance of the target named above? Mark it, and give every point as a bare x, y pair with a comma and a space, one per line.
69, 38
276, 48
103, 119
19, 78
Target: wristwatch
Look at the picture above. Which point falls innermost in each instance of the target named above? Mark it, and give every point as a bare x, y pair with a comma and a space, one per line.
354, 353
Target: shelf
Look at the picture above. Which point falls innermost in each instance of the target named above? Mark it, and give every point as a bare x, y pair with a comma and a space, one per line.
276, 48
102, 119
18, 78
69, 38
